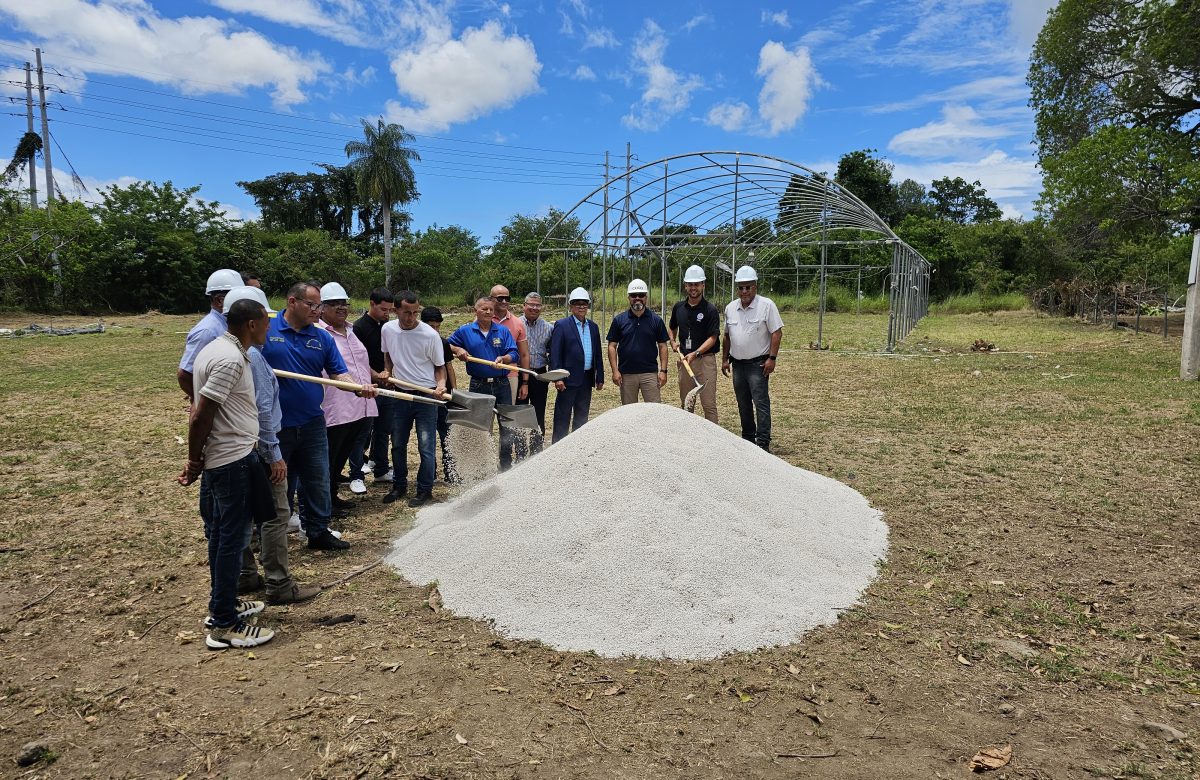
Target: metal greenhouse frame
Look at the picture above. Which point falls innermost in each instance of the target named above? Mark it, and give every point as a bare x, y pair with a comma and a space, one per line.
722, 210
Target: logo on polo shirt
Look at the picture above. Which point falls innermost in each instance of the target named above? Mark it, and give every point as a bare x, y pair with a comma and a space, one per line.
495, 341
278, 338
313, 344
699, 316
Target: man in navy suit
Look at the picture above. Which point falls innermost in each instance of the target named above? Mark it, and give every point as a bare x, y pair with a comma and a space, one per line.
575, 346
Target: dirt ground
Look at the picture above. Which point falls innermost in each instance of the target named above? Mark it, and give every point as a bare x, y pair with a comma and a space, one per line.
1040, 590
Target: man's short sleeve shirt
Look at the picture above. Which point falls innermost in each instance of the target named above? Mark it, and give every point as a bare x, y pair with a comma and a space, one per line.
750, 328
637, 340
694, 324
223, 375
310, 351
415, 353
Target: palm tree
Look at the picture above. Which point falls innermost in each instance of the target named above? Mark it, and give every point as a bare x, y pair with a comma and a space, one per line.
384, 175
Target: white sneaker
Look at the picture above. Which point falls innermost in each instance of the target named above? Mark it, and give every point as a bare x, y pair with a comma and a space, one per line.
335, 534
369, 467
358, 487
294, 523
386, 477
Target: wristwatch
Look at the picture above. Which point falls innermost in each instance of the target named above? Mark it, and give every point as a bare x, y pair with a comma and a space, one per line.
772, 357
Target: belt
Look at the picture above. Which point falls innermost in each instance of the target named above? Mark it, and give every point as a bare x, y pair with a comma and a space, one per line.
761, 357
492, 380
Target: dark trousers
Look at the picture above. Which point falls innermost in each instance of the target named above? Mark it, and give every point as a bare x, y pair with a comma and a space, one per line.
499, 390
572, 405
342, 439
538, 392
381, 433
225, 508
306, 450
406, 415
754, 404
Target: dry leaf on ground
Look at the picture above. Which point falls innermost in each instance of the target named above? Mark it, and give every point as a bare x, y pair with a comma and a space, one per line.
991, 758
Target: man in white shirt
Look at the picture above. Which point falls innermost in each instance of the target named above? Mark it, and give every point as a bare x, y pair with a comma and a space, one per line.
753, 331
412, 351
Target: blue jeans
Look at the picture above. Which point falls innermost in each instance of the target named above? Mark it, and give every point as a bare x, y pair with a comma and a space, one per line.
225, 508
380, 432
500, 390
404, 415
306, 450
754, 405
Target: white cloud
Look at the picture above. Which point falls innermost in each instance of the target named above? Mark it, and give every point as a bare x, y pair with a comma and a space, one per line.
788, 81
696, 21
989, 90
1026, 17
958, 132
666, 91
451, 80
584, 73
779, 18
600, 38
730, 116
1012, 182
340, 20
132, 39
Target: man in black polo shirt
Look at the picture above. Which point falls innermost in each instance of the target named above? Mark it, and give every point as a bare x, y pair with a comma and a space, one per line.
637, 348
696, 334
368, 328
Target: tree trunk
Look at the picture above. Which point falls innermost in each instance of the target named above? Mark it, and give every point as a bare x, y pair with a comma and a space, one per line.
387, 245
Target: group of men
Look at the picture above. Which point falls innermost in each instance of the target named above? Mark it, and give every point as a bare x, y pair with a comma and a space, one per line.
260, 444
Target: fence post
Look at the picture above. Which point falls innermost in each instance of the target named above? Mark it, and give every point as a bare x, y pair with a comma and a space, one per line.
1189, 363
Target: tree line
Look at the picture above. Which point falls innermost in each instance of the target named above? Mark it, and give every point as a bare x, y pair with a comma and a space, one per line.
1115, 89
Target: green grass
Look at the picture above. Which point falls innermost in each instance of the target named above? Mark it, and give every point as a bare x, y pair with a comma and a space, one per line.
974, 302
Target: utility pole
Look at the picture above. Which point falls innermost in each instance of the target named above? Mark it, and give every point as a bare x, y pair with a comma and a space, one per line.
29, 117
1189, 364
49, 172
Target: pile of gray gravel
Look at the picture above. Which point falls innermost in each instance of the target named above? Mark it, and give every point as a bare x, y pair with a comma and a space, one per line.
616, 540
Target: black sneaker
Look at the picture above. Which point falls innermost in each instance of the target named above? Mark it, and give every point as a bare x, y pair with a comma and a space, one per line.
327, 541
342, 504
250, 584
395, 495
422, 498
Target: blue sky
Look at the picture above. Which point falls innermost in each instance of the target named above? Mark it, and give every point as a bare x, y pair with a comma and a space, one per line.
515, 103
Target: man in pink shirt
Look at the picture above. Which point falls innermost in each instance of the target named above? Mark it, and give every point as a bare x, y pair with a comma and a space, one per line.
346, 414
518, 382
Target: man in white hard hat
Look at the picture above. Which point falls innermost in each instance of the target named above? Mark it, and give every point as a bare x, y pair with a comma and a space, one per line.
637, 348
273, 544
347, 416
695, 328
295, 344
209, 327
575, 346
753, 331
222, 434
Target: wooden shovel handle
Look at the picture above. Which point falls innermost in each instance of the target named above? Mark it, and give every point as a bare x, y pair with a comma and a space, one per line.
686, 364
349, 386
418, 388
505, 366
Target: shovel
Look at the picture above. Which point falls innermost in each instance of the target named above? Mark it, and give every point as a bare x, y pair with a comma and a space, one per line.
689, 401
522, 416
353, 388
549, 376
474, 410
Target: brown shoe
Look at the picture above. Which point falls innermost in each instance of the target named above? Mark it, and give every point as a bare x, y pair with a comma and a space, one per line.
294, 595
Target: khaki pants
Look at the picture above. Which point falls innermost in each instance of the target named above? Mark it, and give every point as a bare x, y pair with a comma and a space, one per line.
273, 546
705, 367
647, 383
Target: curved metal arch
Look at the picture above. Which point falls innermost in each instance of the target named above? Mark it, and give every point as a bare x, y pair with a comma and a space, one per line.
735, 201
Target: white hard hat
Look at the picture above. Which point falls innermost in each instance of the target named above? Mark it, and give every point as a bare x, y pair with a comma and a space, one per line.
694, 273
223, 280
244, 293
334, 292
637, 286
746, 274
579, 294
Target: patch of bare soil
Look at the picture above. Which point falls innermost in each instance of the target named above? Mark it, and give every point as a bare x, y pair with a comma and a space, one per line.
1040, 593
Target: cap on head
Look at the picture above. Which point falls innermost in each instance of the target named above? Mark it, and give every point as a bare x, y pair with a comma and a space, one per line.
246, 293
333, 292
579, 294
746, 274
694, 273
222, 281
431, 314
637, 286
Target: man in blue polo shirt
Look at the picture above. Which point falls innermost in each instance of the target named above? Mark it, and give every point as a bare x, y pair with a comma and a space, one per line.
637, 348
295, 344
490, 341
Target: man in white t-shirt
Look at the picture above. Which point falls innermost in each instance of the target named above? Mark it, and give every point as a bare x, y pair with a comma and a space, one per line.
753, 331
222, 434
412, 351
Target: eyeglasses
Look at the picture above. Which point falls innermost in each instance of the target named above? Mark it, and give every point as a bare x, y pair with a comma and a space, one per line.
338, 304
584, 304
312, 306
744, 287
502, 298
637, 295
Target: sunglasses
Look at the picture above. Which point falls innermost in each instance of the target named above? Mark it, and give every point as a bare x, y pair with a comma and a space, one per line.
637, 295
503, 298
743, 287
584, 304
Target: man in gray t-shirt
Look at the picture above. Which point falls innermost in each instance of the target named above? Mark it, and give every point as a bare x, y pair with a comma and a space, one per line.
222, 433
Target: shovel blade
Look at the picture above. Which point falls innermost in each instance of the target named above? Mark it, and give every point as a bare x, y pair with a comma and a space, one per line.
513, 417
473, 410
553, 376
